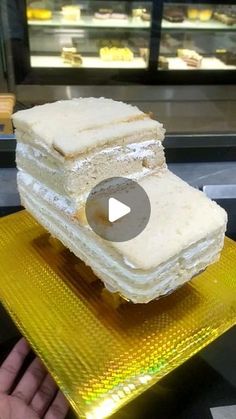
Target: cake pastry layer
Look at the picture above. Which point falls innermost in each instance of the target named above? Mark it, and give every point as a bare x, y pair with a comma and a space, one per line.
76, 177
73, 145
73, 127
184, 235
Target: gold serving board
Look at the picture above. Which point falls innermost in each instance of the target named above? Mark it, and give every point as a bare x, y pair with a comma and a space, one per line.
101, 356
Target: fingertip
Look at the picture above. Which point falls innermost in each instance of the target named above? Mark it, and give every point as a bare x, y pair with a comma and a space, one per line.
22, 347
59, 407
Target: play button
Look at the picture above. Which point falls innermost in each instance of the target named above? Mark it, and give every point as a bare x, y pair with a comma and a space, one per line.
118, 209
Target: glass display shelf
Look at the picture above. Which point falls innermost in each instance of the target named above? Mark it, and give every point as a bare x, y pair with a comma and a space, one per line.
197, 25
211, 63
88, 22
197, 37
43, 61
130, 23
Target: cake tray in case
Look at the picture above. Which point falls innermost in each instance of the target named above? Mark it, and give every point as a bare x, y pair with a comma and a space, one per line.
103, 356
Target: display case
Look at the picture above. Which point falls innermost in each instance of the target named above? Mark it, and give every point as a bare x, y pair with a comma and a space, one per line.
112, 42
198, 37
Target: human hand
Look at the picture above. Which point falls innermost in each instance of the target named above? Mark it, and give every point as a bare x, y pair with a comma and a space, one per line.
36, 396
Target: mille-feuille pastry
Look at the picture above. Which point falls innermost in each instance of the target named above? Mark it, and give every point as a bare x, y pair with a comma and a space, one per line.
163, 63
190, 57
91, 140
71, 56
65, 148
226, 15
146, 16
77, 60
67, 53
137, 12
103, 14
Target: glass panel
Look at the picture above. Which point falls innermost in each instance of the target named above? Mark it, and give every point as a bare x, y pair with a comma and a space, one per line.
199, 37
89, 34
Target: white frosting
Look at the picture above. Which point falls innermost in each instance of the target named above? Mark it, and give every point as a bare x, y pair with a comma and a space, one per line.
60, 202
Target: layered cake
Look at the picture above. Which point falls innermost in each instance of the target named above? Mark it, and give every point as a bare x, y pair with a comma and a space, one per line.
203, 14
103, 14
65, 148
174, 14
137, 12
71, 56
226, 14
190, 57
146, 16
163, 63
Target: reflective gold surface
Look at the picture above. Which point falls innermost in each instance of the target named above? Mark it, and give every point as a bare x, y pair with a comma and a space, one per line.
102, 356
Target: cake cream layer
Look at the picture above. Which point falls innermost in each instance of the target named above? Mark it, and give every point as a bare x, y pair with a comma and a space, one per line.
72, 127
76, 177
55, 213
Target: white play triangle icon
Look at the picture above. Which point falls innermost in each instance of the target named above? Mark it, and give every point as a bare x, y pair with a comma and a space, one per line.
117, 210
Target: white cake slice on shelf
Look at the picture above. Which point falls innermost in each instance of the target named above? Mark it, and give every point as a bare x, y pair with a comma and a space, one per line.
67, 147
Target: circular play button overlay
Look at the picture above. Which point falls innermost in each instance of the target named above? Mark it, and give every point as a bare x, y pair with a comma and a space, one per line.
118, 209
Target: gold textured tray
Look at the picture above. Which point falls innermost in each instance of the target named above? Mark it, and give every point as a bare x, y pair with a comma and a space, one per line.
102, 356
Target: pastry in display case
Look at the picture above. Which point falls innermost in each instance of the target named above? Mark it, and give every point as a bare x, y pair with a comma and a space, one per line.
90, 34
204, 14
39, 14
71, 13
226, 15
163, 63
146, 16
198, 36
103, 14
174, 14
137, 12
116, 54
190, 57
71, 56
